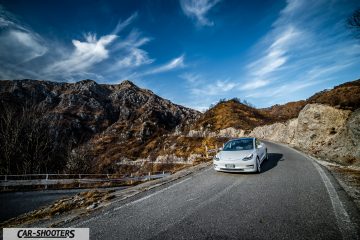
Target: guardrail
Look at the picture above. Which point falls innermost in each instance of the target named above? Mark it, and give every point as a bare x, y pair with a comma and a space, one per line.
63, 179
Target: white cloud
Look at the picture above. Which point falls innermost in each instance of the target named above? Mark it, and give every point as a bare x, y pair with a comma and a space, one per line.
113, 51
198, 9
275, 56
135, 58
19, 44
84, 56
199, 87
305, 44
172, 65
90, 57
254, 84
133, 40
215, 89
192, 78
132, 55
121, 25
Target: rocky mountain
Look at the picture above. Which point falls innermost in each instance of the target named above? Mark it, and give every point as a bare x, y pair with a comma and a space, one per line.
88, 127
118, 117
234, 114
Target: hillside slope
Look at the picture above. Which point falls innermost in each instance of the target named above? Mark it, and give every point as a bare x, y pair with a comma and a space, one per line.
73, 113
90, 127
234, 114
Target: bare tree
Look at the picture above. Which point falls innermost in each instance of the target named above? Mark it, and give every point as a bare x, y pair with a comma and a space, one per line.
38, 148
10, 135
26, 142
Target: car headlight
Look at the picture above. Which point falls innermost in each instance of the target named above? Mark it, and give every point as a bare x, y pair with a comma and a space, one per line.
248, 157
216, 158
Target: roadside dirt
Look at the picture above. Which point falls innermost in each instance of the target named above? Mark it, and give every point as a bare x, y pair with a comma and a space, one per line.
69, 209
348, 177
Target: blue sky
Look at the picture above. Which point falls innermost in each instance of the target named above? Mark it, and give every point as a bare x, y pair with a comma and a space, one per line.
191, 52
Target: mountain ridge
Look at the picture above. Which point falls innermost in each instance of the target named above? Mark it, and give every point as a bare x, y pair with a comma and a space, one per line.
97, 127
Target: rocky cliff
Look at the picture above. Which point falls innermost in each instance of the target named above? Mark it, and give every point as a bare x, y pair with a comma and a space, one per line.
325, 131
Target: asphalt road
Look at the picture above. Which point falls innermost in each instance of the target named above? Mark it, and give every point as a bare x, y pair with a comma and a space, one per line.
293, 198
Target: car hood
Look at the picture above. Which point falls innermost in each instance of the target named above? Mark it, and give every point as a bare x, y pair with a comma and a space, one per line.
234, 155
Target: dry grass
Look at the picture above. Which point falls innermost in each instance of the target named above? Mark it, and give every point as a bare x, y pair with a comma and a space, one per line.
352, 176
231, 114
346, 96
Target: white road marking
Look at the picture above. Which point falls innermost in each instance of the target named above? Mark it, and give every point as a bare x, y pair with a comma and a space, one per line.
345, 225
347, 228
131, 203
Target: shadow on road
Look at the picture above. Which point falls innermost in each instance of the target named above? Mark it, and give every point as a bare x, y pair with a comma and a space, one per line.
272, 162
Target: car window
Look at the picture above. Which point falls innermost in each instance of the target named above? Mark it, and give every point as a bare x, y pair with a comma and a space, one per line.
257, 143
239, 145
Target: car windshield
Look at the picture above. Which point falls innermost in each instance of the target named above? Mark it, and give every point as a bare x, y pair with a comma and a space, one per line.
239, 145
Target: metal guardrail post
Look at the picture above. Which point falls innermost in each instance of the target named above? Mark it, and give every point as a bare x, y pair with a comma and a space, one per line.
47, 177
149, 175
5, 178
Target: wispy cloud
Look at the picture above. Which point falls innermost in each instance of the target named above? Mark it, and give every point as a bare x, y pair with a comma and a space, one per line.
123, 24
307, 47
20, 46
93, 50
305, 41
85, 55
204, 90
275, 56
198, 9
19, 43
92, 56
132, 55
175, 63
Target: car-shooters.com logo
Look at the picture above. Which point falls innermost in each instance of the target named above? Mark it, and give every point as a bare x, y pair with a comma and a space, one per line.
46, 233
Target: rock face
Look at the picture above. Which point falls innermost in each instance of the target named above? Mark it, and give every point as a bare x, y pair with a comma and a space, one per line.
281, 132
318, 125
325, 131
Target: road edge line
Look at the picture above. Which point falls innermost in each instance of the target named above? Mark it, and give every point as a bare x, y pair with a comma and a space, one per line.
344, 223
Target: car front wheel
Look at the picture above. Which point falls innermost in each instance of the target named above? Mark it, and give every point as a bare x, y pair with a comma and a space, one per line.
258, 165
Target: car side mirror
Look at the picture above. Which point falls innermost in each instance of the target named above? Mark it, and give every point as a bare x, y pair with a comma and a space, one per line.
220, 149
259, 146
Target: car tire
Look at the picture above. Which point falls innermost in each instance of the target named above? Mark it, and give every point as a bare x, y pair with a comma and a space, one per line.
258, 165
266, 155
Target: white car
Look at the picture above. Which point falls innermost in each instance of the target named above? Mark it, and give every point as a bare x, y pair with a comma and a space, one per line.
241, 155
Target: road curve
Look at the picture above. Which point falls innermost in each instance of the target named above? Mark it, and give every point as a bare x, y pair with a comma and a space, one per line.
292, 198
